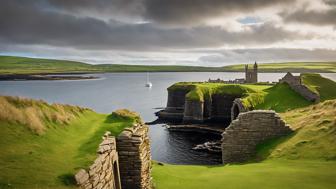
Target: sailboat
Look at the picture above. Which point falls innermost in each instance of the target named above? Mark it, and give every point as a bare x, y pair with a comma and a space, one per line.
148, 84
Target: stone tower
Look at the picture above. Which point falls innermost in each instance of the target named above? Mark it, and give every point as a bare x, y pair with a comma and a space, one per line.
251, 76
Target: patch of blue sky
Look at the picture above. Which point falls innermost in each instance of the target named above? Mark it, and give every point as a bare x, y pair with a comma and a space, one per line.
249, 20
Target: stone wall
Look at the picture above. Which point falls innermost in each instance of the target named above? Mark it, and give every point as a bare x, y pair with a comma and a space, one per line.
221, 107
104, 172
175, 106
176, 97
193, 111
239, 140
306, 93
237, 107
134, 157
295, 83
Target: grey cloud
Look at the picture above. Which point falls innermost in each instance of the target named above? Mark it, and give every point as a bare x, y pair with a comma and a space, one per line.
172, 12
267, 55
194, 11
33, 23
314, 17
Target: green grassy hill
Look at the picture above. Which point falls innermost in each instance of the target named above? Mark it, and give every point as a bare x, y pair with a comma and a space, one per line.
295, 67
305, 159
24, 65
43, 145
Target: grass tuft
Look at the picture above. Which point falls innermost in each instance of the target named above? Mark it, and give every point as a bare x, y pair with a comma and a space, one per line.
36, 114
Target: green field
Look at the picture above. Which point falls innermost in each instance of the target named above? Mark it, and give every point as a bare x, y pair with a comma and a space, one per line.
305, 159
296, 67
24, 65
49, 159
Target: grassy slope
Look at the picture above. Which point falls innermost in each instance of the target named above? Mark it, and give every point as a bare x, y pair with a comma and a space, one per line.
49, 159
266, 175
314, 138
323, 86
23, 65
302, 160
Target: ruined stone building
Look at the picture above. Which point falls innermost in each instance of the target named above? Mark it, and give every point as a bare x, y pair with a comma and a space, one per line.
251, 75
296, 84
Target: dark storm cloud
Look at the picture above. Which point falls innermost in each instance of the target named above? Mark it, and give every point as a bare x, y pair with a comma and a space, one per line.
314, 17
186, 12
36, 22
190, 11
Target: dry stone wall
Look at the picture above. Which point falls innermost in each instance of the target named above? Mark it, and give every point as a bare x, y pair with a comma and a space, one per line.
193, 111
239, 140
306, 93
104, 172
295, 83
237, 107
134, 157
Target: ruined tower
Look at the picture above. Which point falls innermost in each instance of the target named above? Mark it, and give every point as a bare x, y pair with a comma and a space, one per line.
251, 76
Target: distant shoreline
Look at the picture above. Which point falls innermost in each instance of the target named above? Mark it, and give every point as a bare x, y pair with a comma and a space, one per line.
26, 77
10, 65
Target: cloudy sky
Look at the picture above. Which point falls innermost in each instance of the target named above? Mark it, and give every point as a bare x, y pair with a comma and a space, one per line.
184, 32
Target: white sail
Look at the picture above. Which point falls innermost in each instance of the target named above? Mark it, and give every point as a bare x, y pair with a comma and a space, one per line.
148, 84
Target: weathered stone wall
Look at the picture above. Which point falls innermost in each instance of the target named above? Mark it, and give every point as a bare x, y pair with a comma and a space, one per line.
175, 106
134, 157
104, 172
221, 107
176, 98
295, 83
239, 140
237, 107
306, 93
193, 111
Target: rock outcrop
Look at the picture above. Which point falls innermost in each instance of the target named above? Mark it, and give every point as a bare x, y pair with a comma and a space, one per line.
217, 107
239, 140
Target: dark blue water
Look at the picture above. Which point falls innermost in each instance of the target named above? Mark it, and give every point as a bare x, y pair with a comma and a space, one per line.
126, 90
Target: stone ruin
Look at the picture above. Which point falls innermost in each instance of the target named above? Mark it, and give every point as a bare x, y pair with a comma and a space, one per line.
104, 172
122, 163
179, 109
295, 83
240, 139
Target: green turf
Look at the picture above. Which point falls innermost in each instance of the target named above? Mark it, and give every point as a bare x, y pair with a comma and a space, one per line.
265, 175
326, 88
280, 98
314, 136
50, 160
295, 67
24, 65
